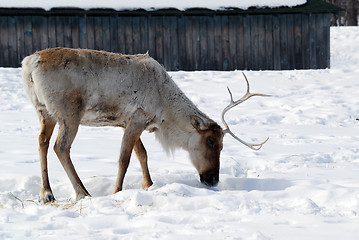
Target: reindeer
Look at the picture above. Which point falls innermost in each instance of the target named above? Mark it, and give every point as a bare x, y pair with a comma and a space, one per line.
70, 87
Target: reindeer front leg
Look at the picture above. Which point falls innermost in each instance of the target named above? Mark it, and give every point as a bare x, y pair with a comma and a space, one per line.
142, 157
136, 125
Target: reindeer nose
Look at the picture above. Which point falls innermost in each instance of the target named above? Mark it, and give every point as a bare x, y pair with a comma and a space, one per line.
210, 180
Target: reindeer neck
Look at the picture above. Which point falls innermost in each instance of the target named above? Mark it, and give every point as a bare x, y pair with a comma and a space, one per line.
176, 129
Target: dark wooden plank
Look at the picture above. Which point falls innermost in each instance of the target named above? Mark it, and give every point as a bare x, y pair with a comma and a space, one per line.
326, 22
322, 40
268, 21
159, 38
136, 35
305, 41
167, 42
13, 48
4, 40
128, 34
226, 60
298, 53
218, 54
114, 33
75, 31
82, 31
174, 53
44, 29
106, 35
121, 34
182, 42
203, 43
247, 42
90, 32
98, 33
261, 58
312, 42
189, 61
284, 55
59, 31
19, 22
67, 31
151, 36
28, 35
52, 31
210, 43
232, 31
254, 40
291, 41
39, 33
144, 34
196, 50
319, 41
240, 43
276, 43
36, 33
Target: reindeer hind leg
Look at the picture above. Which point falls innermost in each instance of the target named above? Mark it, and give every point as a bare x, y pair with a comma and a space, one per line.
66, 135
47, 127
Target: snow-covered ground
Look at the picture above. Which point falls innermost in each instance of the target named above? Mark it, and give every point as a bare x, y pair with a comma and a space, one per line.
303, 184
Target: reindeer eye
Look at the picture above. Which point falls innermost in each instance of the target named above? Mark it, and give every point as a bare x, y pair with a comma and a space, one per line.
210, 142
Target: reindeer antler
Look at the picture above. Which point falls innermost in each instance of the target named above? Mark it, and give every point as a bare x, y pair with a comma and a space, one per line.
254, 146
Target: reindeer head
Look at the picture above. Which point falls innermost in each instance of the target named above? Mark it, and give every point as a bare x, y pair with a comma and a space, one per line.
206, 146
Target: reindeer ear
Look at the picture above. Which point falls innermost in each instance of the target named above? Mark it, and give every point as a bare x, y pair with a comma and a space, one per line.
198, 123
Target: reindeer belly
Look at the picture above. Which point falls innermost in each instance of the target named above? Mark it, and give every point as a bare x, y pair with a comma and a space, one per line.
101, 119
104, 114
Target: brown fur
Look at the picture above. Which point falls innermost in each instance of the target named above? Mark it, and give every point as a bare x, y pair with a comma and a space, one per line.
54, 58
74, 100
212, 138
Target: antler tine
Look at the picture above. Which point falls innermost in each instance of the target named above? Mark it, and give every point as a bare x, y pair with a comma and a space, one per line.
247, 95
230, 94
253, 146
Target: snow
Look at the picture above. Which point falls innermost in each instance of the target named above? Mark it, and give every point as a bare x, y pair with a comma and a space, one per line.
303, 184
151, 5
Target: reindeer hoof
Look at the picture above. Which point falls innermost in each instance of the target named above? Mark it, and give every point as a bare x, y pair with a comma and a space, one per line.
46, 196
146, 184
81, 195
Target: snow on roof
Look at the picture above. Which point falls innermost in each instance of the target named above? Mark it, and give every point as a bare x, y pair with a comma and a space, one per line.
150, 4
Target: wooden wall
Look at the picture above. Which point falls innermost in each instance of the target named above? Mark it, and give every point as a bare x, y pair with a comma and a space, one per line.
179, 42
